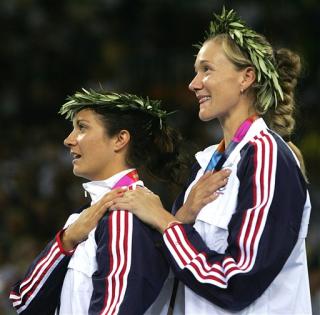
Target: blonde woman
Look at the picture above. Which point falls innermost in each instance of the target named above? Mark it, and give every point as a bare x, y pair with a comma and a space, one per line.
243, 253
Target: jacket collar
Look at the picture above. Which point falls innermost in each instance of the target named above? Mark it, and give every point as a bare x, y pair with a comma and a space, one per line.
203, 157
97, 189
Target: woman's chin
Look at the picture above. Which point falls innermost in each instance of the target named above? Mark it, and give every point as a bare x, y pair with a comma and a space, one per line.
77, 172
204, 117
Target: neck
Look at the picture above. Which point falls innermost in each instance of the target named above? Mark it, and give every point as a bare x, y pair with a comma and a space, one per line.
230, 124
110, 171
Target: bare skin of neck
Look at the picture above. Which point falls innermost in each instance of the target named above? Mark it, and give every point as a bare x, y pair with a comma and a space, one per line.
231, 122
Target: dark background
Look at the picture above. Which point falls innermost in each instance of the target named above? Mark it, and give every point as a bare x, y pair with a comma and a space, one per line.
49, 49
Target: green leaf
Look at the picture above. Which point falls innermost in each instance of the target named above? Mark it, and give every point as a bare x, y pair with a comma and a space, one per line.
263, 66
236, 25
277, 86
239, 36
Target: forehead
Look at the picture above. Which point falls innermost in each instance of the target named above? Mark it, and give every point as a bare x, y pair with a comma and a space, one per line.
87, 114
212, 52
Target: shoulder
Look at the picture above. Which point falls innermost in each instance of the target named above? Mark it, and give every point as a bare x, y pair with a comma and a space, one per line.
266, 148
267, 143
122, 222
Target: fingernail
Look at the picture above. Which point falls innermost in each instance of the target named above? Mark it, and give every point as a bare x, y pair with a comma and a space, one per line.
227, 171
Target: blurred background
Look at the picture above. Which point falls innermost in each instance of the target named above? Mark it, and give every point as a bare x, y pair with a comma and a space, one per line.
50, 49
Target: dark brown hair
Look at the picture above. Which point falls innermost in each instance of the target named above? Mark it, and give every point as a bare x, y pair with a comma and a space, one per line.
155, 148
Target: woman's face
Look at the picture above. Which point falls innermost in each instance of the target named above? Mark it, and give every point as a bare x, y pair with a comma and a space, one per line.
92, 149
216, 83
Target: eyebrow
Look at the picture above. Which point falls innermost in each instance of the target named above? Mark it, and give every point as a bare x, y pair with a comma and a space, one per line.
201, 63
78, 120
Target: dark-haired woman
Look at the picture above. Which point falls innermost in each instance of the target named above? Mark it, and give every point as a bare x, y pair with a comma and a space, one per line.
105, 264
245, 252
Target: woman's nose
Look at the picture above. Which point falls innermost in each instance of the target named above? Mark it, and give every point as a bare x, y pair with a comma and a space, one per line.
70, 140
196, 83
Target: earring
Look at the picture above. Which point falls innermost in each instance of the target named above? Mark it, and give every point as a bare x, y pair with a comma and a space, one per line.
241, 91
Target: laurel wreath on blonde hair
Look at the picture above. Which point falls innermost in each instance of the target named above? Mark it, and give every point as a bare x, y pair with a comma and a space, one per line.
110, 100
259, 53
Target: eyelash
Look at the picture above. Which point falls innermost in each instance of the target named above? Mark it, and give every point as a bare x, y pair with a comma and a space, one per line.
81, 126
206, 68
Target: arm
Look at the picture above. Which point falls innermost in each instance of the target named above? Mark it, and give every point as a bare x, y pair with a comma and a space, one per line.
148, 207
78, 231
39, 291
262, 231
131, 269
202, 193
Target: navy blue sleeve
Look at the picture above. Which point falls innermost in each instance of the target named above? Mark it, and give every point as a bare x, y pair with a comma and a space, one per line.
39, 291
179, 200
262, 231
131, 267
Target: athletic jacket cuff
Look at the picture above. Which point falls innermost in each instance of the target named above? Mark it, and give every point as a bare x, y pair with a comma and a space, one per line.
63, 251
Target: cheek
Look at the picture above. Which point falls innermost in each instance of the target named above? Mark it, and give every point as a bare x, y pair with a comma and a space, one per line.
102, 150
206, 81
80, 139
211, 84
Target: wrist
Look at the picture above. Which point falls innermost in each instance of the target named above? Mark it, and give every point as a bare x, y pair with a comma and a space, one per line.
165, 221
182, 216
66, 242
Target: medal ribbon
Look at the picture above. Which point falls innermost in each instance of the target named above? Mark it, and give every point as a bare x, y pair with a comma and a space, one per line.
127, 179
220, 155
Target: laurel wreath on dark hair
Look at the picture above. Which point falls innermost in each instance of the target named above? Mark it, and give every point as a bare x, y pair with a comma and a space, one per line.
110, 100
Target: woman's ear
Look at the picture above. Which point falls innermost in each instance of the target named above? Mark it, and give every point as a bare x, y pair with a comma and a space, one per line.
122, 139
248, 78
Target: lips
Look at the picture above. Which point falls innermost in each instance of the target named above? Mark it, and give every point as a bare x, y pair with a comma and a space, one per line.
203, 98
75, 156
